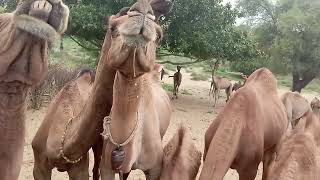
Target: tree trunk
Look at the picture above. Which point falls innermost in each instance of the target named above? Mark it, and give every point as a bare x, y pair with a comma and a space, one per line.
299, 83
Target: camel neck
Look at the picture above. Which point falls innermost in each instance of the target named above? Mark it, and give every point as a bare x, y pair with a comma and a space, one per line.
12, 105
127, 94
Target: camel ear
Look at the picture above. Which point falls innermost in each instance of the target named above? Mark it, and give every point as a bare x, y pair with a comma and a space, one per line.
161, 7
300, 106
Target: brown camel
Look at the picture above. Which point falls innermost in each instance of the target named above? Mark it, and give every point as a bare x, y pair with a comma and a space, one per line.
295, 105
217, 84
239, 84
141, 109
177, 78
246, 131
66, 105
24, 38
298, 156
181, 158
315, 106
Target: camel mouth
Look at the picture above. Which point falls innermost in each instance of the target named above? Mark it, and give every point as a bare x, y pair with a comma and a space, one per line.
135, 41
138, 31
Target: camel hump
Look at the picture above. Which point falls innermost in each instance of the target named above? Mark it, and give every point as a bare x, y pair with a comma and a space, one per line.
180, 152
264, 77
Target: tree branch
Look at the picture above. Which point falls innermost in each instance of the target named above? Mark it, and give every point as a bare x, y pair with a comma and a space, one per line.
87, 48
182, 63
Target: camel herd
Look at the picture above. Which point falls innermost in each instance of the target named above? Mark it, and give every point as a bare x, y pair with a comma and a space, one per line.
123, 112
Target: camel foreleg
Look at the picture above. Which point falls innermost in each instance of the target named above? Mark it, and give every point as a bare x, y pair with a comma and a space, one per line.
80, 171
97, 151
41, 169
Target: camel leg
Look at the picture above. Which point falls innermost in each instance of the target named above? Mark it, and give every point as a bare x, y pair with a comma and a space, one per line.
155, 172
97, 151
267, 160
41, 169
105, 172
248, 174
80, 171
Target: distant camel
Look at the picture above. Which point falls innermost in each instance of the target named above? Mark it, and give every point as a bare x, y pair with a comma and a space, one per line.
217, 84
315, 105
177, 78
181, 159
239, 84
246, 131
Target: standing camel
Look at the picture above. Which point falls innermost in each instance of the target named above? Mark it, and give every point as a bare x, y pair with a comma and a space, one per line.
141, 109
46, 143
217, 84
246, 131
24, 38
177, 78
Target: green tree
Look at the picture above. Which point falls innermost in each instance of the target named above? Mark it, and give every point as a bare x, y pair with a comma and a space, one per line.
289, 31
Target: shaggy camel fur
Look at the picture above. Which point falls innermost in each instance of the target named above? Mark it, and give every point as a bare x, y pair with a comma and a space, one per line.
46, 143
246, 131
141, 109
24, 37
295, 105
177, 78
298, 156
315, 106
218, 83
181, 158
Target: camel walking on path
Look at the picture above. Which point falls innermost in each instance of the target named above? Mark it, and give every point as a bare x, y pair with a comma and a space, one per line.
246, 131
24, 38
177, 78
217, 84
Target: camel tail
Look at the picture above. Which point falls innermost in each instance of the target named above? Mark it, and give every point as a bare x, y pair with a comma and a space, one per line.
222, 150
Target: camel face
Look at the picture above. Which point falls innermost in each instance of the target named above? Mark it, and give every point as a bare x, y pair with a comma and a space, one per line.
134, 38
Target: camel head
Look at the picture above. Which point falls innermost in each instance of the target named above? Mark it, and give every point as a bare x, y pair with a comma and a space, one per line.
46, 19
134, 36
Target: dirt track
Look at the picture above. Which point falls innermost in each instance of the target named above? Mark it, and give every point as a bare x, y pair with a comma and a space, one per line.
194, 110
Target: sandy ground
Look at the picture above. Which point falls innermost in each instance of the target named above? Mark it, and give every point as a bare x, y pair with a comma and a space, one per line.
195, 111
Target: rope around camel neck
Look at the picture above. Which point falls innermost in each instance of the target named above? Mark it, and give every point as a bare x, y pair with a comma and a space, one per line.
61, 153
106, 134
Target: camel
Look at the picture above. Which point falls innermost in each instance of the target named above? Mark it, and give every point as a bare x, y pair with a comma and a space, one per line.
298, 156
181, 158
295, 105
246, 131
239, 84
24, 38
218, 83
315, 106
141, 109
177, 78
66, 105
